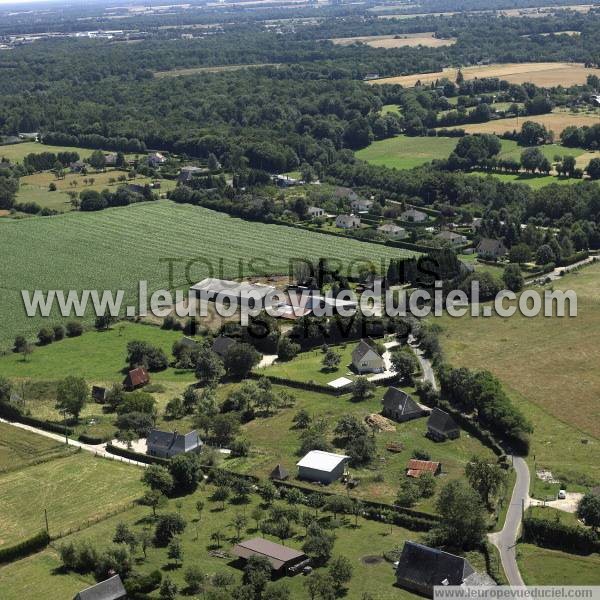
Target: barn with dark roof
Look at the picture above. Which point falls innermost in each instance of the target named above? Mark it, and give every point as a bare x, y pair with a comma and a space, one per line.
441, 426
400, 407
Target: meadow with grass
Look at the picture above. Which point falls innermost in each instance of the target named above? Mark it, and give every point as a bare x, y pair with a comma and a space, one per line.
546, 366
116, 248
73, 490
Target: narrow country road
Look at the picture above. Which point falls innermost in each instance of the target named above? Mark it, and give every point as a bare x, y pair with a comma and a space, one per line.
99, 450
506, 540
559, 271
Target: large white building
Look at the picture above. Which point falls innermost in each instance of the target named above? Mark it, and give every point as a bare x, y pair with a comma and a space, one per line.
325, 467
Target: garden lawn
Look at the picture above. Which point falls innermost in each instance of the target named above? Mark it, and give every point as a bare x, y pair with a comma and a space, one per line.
274, 440
19, 447
307, 366
547, 368
74, 490
115, 249
541, 566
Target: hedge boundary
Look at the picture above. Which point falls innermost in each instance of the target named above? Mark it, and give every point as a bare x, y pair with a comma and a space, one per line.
10, 413
558, 536
28, 546
137, 456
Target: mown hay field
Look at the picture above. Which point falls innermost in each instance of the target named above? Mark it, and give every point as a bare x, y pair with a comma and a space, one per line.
17, 152
116, 248
548, 367
544, 74
397, 41
73, 490
557, 122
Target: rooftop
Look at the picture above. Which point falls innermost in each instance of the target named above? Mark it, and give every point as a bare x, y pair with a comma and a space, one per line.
277, 554
321, 461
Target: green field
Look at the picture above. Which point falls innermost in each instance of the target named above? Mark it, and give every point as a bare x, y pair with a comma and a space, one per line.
116, 248
73, 490
546, 365
540, 566
19, 447
404, 152
17, 152
532, 180
41, 574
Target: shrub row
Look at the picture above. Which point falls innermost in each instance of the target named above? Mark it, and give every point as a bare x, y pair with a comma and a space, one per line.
574, 258
29, 546
559, 536
302, 385
492, 563
137, 456
13, 414
93, 440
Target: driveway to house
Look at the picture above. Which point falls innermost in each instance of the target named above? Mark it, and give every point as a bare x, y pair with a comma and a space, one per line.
426, 366
569, 504
99, 450
267, 360
387, 360
506, 539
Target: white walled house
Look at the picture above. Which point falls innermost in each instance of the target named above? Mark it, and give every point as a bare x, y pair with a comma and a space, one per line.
347, 221
393, 231
366, 359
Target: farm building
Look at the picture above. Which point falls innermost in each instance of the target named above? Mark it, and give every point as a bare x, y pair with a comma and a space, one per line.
441, 426
166, 444
366, 359
283, 560
421, 568
414, 216
279, 473
314, 212
488, 248
347, 221
109, 589
218, 290
454, 239
325, 467
400, 407
416, 468
136, 378
222, 344
393, 231
361, 205
98, 394
156, 159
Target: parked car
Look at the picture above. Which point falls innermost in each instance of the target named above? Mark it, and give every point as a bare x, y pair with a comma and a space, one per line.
562, 494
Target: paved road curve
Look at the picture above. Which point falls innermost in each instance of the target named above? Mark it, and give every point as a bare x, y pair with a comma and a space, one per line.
506, 540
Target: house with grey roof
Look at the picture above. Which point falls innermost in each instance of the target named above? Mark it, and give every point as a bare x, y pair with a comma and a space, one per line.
109, 589
414, 216
441, 426
421, 568
361, 205
166, 444
449, 237
491, 249
366, 359
347, 221
400, 407
393, 231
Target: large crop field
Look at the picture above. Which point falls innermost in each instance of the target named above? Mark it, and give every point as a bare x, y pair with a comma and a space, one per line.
553, 122
543, 74
397, 41
73, 490
116, 248
547, 366
16, 152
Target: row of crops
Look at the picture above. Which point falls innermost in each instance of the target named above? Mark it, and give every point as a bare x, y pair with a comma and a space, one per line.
116, 248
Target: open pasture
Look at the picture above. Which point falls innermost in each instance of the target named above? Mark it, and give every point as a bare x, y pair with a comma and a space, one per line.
17, 152
562, 402
72, 490
116, 248
544, 74
397, 41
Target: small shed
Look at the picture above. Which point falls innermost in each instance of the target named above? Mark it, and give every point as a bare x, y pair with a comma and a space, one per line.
109, 589
136, 378
279, 473
283, 560
400, 407
99, 394
441, 426
324, 467
416, 468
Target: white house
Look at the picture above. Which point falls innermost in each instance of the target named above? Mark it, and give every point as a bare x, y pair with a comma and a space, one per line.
325, 467
393, 231
315, 212
347, 221
366, 359
156, 159
413, 215
454, 239
361, 205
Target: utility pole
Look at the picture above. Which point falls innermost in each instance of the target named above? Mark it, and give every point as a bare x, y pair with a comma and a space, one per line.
46, 519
